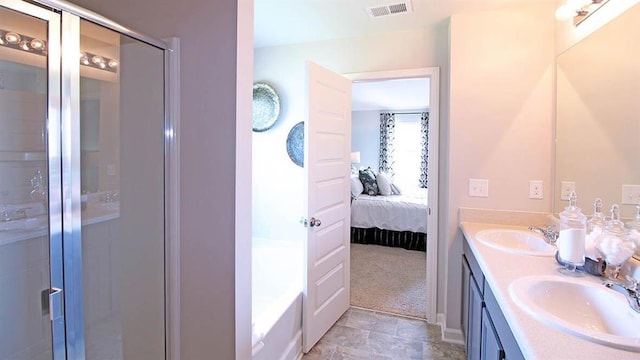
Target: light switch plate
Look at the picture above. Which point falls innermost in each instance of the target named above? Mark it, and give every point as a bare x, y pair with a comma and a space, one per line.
479, 187
630, 194
566, 187
535, 189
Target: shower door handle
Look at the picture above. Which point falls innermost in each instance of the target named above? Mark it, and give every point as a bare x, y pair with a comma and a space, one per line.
52, 303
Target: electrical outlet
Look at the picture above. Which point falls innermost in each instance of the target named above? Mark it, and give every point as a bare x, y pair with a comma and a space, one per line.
535, 189
479, 187
631, 194
566, 187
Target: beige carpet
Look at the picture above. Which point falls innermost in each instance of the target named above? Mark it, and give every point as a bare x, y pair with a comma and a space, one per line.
388, 279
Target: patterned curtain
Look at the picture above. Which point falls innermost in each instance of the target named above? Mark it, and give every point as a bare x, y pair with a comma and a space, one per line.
424, 144
387, 139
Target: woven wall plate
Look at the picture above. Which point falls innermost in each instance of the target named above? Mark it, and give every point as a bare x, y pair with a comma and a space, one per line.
295, 144
266, 107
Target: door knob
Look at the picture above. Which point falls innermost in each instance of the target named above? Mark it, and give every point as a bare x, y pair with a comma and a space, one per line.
313, 222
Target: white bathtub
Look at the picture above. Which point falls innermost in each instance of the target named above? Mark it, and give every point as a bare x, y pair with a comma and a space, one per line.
277, 299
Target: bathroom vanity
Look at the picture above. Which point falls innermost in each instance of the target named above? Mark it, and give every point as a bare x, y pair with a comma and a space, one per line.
497, 325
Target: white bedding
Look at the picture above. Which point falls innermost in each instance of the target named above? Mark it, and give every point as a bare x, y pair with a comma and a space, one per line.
394, 212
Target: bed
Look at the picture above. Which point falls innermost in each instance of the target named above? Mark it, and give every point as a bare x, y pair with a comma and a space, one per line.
394, 220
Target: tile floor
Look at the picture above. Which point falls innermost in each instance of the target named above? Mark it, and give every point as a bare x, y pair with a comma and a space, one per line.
370, 335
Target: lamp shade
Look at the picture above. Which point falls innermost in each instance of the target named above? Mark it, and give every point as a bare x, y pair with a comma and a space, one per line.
355, 157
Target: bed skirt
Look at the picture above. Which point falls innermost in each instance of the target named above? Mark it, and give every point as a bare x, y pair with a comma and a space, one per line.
404, 239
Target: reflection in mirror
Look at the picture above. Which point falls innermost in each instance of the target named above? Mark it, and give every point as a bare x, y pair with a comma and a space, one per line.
598, 128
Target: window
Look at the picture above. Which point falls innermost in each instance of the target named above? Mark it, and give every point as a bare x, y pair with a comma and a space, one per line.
407, 151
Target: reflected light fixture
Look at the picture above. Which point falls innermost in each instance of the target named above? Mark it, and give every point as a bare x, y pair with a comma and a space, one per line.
37, 44
13, 40
578, 10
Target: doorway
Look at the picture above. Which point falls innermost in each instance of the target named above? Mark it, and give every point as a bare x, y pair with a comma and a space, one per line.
432, 74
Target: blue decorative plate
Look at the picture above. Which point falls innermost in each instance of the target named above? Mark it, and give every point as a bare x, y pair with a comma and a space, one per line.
266, 107
295, 144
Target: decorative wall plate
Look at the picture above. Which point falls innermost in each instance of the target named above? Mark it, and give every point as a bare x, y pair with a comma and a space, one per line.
295, 144
266, 106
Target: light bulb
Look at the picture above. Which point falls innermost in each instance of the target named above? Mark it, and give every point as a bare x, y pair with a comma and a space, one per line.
565, 12
83, 58
97, 59
12, 38
578, 4
113, 63
24, 45
36, 44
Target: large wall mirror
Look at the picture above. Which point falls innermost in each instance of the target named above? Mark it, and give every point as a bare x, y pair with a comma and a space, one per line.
598, 115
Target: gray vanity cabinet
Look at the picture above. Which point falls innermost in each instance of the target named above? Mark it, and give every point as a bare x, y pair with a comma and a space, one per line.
487, 334
472, 314
490, 347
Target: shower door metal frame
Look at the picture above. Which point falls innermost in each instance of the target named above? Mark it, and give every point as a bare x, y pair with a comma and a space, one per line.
71, 181
54, 161
63, 159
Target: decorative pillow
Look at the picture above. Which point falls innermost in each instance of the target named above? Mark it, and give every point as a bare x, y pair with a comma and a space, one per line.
368, 178
395, 190
384, 184
356, 187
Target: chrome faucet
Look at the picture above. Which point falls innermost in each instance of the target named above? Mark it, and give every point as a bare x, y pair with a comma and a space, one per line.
549, 233
631, 292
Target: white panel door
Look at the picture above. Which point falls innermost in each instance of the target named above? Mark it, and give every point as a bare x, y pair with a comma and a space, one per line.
327, 173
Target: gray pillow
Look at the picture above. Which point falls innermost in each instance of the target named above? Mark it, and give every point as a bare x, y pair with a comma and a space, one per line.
368, 178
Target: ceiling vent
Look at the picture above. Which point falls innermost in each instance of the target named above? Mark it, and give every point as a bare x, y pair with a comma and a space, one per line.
389, 9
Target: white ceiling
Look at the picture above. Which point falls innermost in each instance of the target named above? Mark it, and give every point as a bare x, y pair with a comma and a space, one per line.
280, 22
284, 22
401, 94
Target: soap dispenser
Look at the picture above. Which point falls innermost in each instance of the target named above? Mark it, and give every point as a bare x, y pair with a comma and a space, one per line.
571, 238
614, 244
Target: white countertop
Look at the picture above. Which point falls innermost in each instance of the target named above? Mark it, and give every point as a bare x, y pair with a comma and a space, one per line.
536, 340
94, 213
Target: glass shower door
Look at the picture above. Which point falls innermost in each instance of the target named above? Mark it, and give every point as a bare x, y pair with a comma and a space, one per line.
31, 318
122, 186
82, 188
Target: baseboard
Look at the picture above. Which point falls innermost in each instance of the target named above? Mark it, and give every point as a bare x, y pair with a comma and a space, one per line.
453, 336
294, 349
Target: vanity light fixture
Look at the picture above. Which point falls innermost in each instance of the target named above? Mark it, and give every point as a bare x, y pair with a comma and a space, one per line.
13, 40
578, 10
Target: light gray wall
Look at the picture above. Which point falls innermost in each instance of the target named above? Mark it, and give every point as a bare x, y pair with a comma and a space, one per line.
207, 30
472, 55
499, 113
365, 137
429, 48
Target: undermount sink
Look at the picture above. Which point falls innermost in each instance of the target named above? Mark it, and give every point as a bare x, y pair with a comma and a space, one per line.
516, 241
584, 309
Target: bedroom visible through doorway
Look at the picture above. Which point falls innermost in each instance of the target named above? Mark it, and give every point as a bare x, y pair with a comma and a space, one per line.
392, 127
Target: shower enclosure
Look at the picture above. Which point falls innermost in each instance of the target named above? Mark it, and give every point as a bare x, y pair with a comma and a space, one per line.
83, 211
